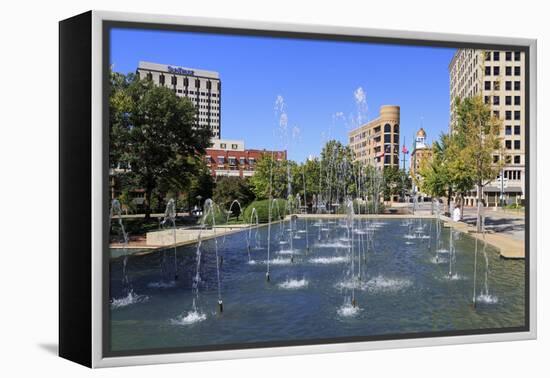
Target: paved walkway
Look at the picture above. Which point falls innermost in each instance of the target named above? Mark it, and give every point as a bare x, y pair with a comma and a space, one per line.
509, 223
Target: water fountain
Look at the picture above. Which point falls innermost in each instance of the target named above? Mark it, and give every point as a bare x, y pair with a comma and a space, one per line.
170, 216
253, 214
229, 212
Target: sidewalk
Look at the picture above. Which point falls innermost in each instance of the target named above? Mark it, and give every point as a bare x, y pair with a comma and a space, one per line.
508, 242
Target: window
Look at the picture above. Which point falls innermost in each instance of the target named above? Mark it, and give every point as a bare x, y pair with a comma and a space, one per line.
242, 160
387, 159
223, 145
517, 130
508, 100
488, 71
517, 100
208, 84
487, 55
517, 115
396, 129
517, 159
508, 56
387, 138
395, 138
197, 83
487, 99
516, 85
517, 71
174, 80
508, 130
387, 128
508, 71
507, 160
186, 82
517, 145
161, 79
496, 56
496, 71
496, 158
487, 85
508, 115
496, 100
221, 160
496, 114
508, 85
149, 76
496, 85
517, 55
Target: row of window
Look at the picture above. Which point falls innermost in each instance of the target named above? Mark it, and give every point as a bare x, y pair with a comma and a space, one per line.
495, 55
507, 100
508, 144
511, 175
508, 71
508, 115
376, 130
232, 161
174, 81
508, 159
508, 130
507, 85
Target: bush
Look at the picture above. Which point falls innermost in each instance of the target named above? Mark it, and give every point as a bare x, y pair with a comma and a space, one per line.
220, 216
262, 209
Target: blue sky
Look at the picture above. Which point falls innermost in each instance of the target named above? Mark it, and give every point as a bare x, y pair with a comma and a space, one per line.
317, 80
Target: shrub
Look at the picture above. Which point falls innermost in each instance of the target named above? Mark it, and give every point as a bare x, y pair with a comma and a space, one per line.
262, 208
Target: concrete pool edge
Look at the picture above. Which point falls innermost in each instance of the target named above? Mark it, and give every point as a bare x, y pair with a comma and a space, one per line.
508, 248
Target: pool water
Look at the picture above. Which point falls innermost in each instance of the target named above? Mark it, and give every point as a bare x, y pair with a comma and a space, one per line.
405, 287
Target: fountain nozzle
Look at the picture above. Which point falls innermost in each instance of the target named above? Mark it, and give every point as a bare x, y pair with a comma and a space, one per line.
267, 276
220, 306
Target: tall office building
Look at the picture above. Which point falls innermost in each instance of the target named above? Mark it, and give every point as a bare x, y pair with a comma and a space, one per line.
377, 142
202, 87
499, 77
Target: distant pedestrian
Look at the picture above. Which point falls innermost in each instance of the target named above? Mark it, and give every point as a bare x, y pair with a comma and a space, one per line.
456, 214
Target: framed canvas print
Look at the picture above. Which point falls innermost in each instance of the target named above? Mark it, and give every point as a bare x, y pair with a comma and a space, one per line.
233, 189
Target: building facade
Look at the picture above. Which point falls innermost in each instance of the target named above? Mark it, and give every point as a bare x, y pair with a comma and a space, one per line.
202, 87
420, 153
231, 158
376, 143
499, 77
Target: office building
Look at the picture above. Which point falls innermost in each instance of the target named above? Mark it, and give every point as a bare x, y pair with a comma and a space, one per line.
376, 143
499, 77
202, 87
231, 158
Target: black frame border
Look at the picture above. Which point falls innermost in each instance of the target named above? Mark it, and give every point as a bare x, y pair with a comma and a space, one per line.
108, 25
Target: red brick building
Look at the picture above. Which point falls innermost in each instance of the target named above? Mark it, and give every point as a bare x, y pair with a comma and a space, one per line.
230, 158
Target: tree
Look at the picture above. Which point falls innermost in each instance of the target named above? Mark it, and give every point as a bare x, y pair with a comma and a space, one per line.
477, 136
395, 182
309, 170
270, 178
229, 189
153, 132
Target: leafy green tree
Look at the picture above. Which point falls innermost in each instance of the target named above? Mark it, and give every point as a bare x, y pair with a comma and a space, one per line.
231, 188
396, 181
477, 135
270, 178
309, 170
153, 132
